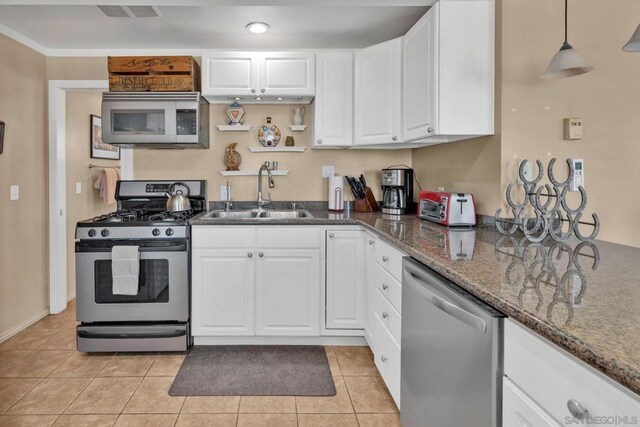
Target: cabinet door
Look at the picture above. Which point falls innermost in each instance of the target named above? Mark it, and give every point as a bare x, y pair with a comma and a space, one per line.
518, 410
345, 279
287, 73
230, 74
223, 292
288, 292
419, 60
333, 124
378, 94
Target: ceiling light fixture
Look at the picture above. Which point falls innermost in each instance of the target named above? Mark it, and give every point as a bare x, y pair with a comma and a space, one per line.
258, 27
633, 45
567, 62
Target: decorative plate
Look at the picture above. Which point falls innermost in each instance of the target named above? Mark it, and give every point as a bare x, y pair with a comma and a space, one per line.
269, 134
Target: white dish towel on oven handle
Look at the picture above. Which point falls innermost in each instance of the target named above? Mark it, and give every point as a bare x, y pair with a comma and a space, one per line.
125, 269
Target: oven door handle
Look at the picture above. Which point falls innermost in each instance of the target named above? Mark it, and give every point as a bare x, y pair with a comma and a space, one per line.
112, 335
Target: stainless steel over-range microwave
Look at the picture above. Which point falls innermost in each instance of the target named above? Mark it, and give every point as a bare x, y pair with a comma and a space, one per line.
155, 119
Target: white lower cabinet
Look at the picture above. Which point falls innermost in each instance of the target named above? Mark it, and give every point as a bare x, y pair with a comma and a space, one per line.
518, 410
288, 292
223, 292
269, 287
345, 278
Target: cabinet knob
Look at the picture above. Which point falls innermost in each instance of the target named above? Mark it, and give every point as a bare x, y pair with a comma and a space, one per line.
394, 138
385, 315
262, 90
370, 242
260, 254
383, 358
253, 91
577, 410
385, 287
331, 235
430, 129
319, 141
385, 259
250, 254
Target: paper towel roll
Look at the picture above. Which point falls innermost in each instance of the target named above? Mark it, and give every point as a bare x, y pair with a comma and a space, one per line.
336, 193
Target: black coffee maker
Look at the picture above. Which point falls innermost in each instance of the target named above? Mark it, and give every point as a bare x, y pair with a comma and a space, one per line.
397, 191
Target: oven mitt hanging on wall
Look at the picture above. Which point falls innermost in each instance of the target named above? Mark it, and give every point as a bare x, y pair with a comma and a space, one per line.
125, 270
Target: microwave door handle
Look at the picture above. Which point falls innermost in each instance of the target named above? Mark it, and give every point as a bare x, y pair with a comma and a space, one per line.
419, 280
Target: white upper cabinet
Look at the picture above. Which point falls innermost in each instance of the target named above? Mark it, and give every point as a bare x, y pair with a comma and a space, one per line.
419, 95
229, 74
254, 75
333, 122
448, 73
287, 74
378, 89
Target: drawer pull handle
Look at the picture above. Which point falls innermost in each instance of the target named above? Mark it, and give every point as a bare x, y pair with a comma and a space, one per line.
577, 410
385, 315
385, 259
370, 242
260, 254
385, 287
383, 358
331, 235
250, 254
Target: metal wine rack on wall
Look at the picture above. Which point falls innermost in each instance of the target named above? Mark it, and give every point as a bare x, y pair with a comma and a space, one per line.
550, 215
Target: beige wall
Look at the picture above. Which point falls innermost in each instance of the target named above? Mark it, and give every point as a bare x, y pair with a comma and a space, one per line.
532, 110
304, 181
23, 223
77, 68
87, 204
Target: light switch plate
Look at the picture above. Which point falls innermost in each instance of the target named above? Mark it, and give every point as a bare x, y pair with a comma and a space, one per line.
572, 128
328, 170
78, 187
15, 192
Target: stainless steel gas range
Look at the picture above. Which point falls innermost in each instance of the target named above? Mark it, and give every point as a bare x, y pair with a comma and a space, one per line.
155, 317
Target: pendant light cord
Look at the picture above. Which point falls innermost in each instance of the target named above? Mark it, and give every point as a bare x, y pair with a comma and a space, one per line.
566, 21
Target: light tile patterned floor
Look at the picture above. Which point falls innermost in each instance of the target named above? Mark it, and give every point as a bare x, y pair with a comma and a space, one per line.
44, 382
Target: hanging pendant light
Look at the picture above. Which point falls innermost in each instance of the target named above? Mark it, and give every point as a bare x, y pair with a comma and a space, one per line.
567, 62
633, 45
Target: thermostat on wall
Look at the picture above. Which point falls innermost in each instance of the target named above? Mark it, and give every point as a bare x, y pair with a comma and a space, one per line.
572, 128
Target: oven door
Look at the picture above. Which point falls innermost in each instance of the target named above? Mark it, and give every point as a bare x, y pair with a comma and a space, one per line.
163, 291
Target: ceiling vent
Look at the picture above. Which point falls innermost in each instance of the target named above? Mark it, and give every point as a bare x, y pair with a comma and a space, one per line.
130, 11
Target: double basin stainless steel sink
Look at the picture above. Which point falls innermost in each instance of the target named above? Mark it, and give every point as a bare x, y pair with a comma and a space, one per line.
261, 214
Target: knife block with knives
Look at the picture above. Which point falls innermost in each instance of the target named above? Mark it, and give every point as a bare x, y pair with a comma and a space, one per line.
364, 201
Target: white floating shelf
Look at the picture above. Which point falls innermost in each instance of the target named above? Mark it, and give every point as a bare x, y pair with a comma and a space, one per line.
284, 149
253, 173
234, 128
298, 128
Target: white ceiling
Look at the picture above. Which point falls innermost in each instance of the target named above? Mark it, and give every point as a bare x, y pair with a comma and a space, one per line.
77, 27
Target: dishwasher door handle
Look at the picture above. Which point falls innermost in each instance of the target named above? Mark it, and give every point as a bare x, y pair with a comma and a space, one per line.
414, 275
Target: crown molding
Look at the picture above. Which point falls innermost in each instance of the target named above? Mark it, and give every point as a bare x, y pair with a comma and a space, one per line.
21, 38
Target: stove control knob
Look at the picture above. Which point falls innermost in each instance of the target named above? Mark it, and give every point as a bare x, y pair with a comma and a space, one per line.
92, 233
169, 231
104, 232
156, 232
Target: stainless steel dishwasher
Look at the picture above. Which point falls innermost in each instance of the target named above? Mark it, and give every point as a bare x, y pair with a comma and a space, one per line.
451, 354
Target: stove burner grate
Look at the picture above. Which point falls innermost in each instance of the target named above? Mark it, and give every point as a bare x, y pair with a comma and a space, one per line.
123, 215
172, 216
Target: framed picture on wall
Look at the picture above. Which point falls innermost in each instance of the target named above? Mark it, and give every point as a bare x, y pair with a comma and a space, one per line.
1, 136
100, 150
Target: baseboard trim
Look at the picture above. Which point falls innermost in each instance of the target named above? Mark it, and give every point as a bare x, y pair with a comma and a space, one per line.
24, 324
337, 341
71, 296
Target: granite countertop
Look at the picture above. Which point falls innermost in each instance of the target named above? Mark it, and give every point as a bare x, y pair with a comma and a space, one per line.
583, 297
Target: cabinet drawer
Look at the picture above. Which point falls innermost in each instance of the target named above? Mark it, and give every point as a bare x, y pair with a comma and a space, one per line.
205, 237
388, 286
389, 258
519, 410
288, 237
552, 377
386, 352
389, 316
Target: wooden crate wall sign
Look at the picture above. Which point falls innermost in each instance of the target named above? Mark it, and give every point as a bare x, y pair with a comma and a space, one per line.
153, 74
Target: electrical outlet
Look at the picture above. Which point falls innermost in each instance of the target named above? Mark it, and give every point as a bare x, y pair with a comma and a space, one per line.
527, 171
328, 170
223, 192
15, 192
78, 187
